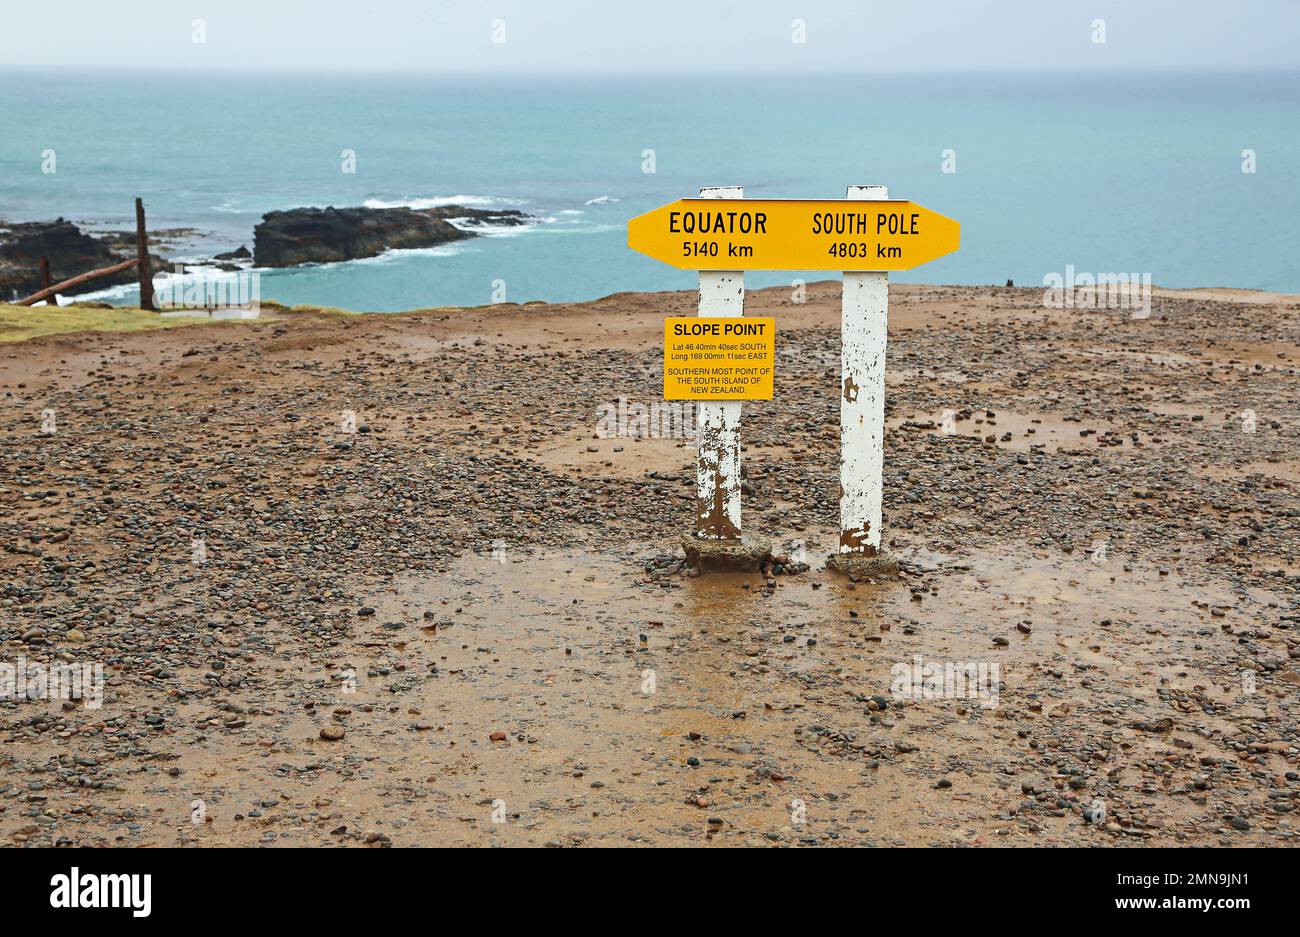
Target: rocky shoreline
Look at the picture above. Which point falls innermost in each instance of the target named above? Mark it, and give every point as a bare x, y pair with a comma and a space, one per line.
282, 239
70, 251
329, 235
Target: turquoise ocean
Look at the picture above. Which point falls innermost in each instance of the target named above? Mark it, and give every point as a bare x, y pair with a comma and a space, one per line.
1130, 172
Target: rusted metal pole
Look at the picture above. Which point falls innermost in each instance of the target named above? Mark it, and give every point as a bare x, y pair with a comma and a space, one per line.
864, 330
717, 514
142, 251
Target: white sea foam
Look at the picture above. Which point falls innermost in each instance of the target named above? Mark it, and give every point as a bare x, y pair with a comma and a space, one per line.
584, 229
204, 265
190, 272
401, 253
489, 230
601, 200
438, 201
392, 255
121, 291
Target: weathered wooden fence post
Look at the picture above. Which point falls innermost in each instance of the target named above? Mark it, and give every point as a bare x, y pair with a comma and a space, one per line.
142, 250
864, 332
46, 280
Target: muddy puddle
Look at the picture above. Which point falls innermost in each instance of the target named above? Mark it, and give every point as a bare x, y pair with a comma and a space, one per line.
581, 454
1018, 432
563, 699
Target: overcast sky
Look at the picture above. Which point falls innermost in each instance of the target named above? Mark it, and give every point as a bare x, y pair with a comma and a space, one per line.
653, 35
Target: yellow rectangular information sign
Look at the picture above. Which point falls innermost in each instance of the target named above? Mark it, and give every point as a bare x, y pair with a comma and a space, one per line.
707, 358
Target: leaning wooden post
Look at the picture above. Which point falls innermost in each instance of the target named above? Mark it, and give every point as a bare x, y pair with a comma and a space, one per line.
864, 331
717, 478
65, 285
142, 251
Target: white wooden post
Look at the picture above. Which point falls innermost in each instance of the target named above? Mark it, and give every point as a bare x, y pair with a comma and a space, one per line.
864, 318
717, 515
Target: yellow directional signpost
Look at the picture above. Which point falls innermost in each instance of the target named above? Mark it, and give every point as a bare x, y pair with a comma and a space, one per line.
793, 234
725, 358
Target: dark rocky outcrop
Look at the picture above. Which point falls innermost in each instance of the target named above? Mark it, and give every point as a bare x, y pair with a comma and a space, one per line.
326, 235
282, 239
71, 252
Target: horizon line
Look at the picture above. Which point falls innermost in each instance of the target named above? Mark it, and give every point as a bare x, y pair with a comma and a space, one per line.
722, 72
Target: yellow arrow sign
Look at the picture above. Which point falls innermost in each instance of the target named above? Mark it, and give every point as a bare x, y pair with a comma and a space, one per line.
793, 234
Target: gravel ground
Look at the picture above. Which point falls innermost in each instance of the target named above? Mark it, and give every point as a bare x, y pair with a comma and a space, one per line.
467, 622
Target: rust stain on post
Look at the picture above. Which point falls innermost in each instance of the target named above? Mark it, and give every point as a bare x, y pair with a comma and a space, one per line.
856, 540
850, 389
711, 514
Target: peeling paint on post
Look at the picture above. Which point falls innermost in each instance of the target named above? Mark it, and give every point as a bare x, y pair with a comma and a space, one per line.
717, 514
864, 318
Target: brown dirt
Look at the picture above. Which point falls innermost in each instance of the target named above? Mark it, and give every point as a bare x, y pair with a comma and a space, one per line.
515, 582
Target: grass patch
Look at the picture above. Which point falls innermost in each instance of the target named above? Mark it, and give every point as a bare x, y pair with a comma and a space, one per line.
19, 323
315, 310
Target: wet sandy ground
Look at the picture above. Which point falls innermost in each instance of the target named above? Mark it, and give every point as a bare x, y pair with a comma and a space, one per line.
488, 610
713, 708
